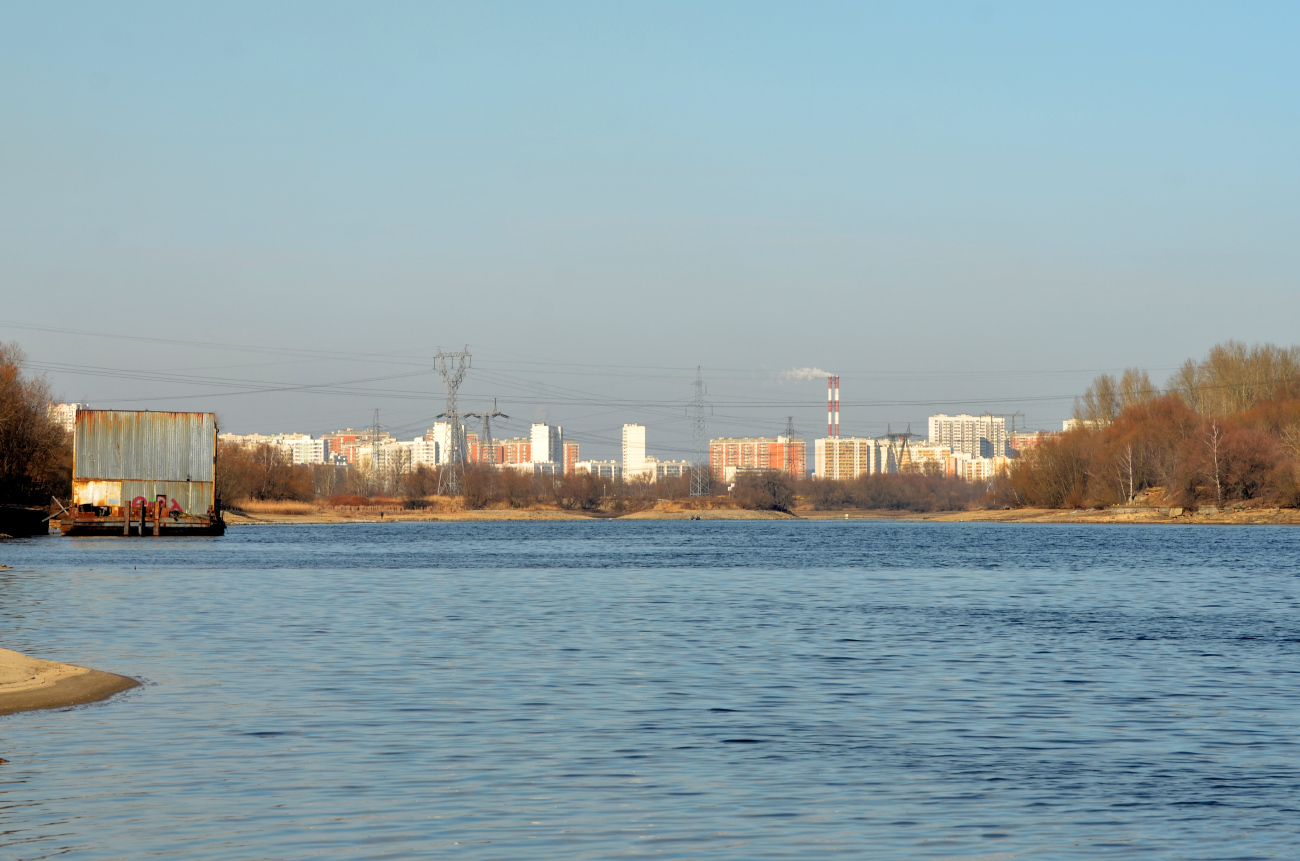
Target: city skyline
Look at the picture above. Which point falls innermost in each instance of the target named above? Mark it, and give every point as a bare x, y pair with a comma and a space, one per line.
793, 395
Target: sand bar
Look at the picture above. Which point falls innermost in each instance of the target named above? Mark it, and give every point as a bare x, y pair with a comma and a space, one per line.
28, 684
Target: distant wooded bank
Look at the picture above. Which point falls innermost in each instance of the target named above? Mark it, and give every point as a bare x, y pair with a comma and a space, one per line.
1223, 431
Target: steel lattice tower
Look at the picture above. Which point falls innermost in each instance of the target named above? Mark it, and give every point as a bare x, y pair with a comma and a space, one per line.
700, 468
374, 454
486, 451
789, 448
452, 368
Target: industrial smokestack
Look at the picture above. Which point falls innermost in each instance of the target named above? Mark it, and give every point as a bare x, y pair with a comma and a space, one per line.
833, 406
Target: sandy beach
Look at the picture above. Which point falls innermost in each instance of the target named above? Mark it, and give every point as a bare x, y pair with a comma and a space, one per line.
28, 684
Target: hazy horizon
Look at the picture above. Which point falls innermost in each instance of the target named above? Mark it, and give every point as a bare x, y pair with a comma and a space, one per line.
280, 213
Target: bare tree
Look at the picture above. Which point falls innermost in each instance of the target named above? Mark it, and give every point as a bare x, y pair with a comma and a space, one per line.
1135, 388
1124, 470
397, 463
1233, 377
35, 452
1106, 397
1214, 442
1100, 402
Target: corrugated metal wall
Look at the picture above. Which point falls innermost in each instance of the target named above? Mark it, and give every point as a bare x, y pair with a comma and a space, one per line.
127, 445
194, 497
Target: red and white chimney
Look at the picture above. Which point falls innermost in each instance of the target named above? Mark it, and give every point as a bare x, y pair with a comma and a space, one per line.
833, 406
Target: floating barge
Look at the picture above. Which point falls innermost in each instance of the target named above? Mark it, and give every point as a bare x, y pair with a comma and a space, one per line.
17, 521
136, 472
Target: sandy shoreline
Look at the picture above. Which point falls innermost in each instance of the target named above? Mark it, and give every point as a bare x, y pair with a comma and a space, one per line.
29, 684
1245, 517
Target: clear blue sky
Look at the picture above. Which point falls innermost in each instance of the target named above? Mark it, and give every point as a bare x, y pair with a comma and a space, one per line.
953, 206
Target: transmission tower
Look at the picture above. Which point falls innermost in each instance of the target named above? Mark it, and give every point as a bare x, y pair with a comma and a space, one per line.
374, 453
485, 441
789, 447
700, 468
452, 368
898, 444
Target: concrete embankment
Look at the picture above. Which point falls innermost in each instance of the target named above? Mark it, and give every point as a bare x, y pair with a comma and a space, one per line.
29, 684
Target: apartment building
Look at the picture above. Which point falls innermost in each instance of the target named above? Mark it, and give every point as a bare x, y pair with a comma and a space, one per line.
514, 450
728, 455
970, 468
547, 444
1019, 443
671, 468
922, 457
66, 415
843, 458
610, 469
977, 436
305, 449
334, 442
635, 463
424, 452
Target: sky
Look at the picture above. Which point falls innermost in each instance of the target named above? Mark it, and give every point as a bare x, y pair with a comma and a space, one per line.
281, 211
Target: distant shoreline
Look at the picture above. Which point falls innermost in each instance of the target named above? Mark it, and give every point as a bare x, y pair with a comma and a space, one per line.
1247, 517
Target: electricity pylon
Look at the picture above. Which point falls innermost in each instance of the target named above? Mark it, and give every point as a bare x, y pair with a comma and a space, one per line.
700, 468
374, 454
789, 448
486, 438
452, 368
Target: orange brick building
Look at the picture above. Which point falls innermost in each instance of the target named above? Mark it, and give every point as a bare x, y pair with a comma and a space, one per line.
789, 455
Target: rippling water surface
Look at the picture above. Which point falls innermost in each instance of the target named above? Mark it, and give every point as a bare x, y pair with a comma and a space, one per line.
673, 690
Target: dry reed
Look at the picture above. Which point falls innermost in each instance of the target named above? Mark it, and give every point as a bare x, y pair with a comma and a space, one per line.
277, 507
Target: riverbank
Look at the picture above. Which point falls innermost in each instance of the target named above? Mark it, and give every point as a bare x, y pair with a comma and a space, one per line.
30, 684
671, 510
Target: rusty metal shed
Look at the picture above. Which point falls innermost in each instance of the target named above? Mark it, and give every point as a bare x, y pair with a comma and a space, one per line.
124, 457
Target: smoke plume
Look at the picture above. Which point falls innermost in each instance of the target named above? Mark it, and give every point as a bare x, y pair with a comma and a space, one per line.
800, 374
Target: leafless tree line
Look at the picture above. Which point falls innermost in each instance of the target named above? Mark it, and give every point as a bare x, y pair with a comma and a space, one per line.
1232, 378
1226, 430
35, 451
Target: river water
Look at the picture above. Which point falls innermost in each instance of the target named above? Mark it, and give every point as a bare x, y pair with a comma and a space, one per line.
678, 689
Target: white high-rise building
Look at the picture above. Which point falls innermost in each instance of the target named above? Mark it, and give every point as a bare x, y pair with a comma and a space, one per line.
440, 434
304, 449
844, 458
977, 436
547, 444
424, 452
65, 415
635, 464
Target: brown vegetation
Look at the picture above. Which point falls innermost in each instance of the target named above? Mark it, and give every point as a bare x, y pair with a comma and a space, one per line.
769, 490
35, 452
281, 507
486, 487
906, 492
263, 474
1227, 432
